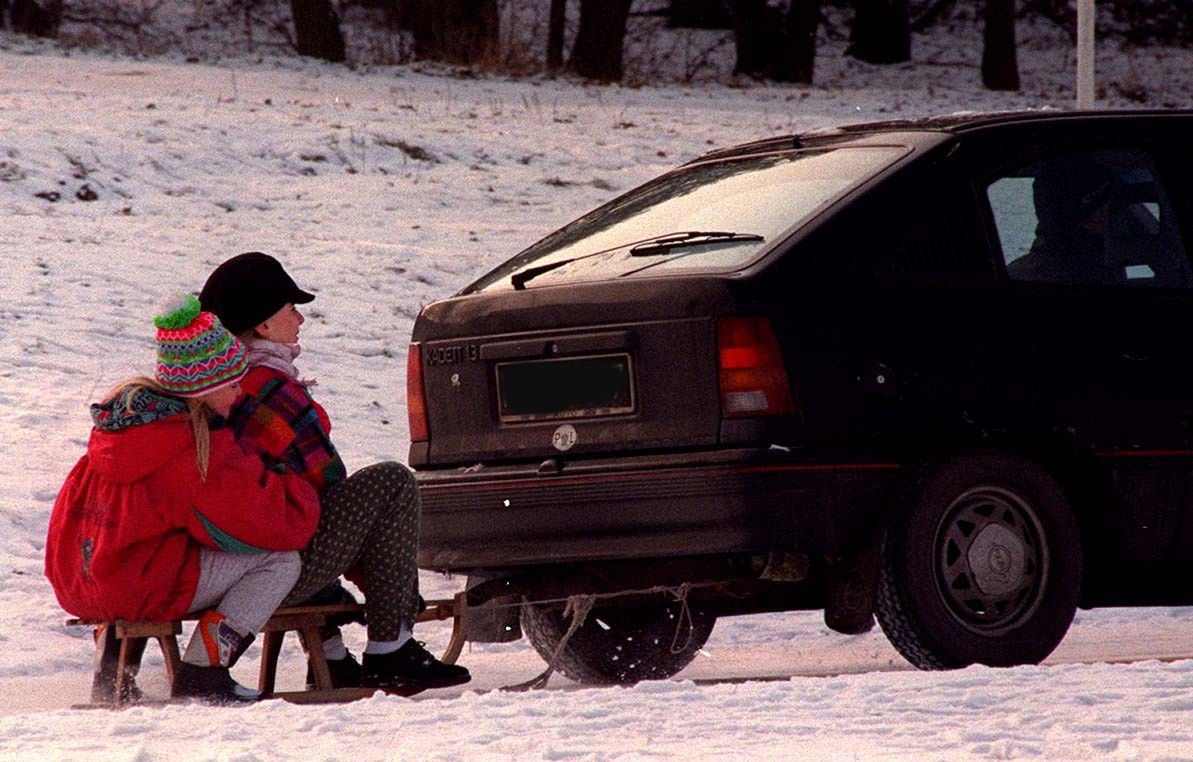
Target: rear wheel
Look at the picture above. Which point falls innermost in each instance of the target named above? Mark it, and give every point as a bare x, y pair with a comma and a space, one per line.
620, 644
982, 565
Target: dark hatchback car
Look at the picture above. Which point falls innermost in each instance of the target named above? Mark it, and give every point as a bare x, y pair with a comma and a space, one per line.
937, 372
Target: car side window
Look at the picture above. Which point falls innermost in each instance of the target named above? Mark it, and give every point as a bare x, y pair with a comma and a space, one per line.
1097, 218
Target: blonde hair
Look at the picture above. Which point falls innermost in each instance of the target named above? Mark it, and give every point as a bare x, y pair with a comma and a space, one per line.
198, 411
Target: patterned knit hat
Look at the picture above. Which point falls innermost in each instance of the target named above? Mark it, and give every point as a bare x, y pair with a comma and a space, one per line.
195, 353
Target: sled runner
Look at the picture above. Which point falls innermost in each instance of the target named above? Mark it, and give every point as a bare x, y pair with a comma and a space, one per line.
113, 686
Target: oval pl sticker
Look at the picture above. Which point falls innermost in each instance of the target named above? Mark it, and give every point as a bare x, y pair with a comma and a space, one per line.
564, 437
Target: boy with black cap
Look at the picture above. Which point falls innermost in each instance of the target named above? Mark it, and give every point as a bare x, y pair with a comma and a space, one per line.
369, 521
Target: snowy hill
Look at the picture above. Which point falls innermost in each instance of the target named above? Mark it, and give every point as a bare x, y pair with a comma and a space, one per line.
381, 191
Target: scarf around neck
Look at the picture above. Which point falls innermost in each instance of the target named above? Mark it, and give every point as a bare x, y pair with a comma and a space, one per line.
273, 354
134, 407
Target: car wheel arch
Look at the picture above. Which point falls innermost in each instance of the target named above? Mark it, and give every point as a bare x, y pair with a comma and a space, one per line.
1086, 482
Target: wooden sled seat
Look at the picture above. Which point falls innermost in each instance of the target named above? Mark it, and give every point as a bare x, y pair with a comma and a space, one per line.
305, 620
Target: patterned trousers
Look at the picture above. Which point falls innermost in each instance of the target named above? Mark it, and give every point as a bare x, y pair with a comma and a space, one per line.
369, 521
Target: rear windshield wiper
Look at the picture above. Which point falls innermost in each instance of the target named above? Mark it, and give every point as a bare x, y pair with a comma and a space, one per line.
659, 244
519, 279
666, 244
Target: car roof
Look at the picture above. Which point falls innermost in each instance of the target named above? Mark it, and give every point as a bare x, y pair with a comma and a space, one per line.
926, 130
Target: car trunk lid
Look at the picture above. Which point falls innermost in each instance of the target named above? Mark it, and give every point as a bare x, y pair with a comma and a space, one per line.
606, 367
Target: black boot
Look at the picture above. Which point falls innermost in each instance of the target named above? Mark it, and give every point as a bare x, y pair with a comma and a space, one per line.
211, 685
204, 672
410, 665
345, 673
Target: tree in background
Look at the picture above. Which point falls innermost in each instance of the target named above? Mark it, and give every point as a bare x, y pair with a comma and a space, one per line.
699, 14
750, 33
881, 33
455, 31
773, 42
775, 39
317, 30
555, 25
1146, 21
34, 17
1000, 64
798, 36
600, 39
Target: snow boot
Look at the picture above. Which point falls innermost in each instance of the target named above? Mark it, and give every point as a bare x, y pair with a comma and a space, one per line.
345, 673
204, 672
211, 685
410, 665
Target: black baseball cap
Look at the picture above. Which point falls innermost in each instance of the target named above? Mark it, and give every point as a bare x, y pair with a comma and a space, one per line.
247, 289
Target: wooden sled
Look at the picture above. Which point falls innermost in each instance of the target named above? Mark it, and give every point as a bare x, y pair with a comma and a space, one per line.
305, 620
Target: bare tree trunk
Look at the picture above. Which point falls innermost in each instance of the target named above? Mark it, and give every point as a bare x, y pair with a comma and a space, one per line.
456, 31
795, 55
555, 34
931, 14
775, 44
393, 13
600, 39
1000, 65
881, 32
699, 14
419, 18
40, 19
317, 30
750, 37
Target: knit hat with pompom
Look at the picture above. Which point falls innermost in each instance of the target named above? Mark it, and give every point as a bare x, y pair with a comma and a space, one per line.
195, 353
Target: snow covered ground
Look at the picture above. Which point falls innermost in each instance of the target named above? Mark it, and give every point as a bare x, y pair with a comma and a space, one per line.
382, 190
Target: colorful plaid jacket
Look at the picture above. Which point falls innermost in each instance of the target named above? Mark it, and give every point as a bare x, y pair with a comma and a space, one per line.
278, 420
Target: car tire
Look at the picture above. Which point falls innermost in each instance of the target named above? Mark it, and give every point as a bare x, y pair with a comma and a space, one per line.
620, 644
981, 565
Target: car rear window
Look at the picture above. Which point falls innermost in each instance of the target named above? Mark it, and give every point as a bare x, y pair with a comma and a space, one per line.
711, 217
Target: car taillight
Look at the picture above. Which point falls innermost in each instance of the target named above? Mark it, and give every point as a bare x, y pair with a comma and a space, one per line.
750, 365
416, 398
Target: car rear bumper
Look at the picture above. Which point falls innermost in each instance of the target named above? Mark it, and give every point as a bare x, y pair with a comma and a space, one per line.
642, 507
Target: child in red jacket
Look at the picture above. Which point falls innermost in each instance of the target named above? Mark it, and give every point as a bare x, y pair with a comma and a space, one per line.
369, 521
165, 514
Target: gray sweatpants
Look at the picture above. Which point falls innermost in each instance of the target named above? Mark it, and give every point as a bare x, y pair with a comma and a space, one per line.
245, 587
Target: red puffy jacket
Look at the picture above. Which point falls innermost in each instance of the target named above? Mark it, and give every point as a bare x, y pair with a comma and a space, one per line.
127, 526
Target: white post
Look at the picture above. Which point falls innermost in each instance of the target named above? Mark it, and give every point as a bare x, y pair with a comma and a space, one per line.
1085, 54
